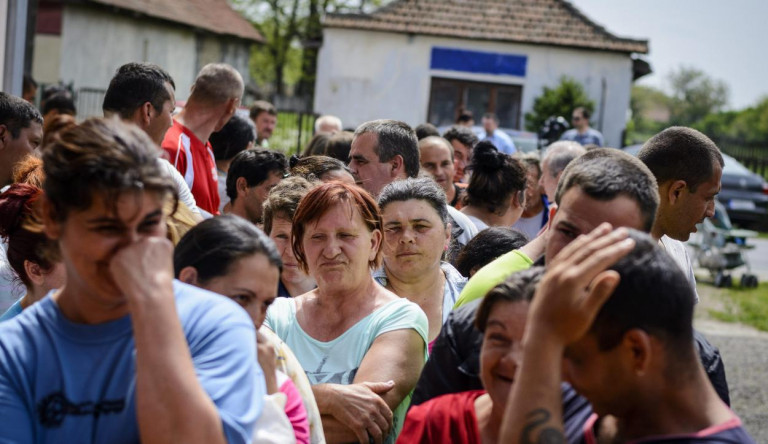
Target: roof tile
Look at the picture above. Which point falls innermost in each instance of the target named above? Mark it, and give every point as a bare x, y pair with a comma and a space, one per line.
549, 22
211, 15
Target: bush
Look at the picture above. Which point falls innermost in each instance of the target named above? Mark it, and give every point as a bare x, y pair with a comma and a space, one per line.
557, 101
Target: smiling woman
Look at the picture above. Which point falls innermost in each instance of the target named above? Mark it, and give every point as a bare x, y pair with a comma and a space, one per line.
121, 316
474, 417
361, 346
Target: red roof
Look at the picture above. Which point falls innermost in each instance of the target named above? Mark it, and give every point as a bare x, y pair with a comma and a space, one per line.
215, 16
546, 22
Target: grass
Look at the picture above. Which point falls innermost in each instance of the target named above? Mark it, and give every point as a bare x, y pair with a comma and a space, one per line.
285, 138
744, 305
762, 235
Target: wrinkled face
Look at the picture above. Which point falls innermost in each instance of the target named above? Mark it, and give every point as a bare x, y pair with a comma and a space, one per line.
88, 239
436, 160
599, 376
547, 182
338, 247
265, 125
692, 208
251, 281
338, 175
502, 349
364, 163
12, 150
461, 157
255, 196
160, 121
281, 234
579, 214
414, 238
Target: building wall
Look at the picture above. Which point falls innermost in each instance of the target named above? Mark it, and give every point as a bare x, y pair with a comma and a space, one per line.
96, 41
46, 60
365, 75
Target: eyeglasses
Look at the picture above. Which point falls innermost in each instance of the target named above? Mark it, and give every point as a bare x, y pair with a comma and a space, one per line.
575, 118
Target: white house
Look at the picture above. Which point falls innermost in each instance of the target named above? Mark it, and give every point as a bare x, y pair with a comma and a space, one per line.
83, 42
424, 60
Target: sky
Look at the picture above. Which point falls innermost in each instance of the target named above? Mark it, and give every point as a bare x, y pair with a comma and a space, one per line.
725, 39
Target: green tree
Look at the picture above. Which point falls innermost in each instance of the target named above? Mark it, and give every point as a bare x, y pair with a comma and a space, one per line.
557, 101
293, 33
650, 113
694, 95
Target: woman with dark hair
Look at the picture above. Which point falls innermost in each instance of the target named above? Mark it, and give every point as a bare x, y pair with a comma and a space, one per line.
361, 346
339, 146
496, 191
316, 145
416, 234
122, 353
321, 168
279, 209
486, 246
230, 256
474, 417
21, 228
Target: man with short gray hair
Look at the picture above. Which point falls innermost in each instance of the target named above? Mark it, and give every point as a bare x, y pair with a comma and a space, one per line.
384, 151
327, 124
557, 156
214, 98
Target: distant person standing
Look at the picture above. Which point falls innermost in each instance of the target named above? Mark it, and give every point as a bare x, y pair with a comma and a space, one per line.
465, 118
264, 116
581, 131
29, 89
493, 134
213, 100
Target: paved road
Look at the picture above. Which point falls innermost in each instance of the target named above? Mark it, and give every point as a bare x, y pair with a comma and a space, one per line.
745, 353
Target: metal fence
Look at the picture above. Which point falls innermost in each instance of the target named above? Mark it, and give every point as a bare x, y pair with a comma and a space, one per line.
293, 131
753, 155
88, 102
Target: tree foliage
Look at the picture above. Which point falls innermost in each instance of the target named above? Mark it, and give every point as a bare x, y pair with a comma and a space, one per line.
694, 95
292, 31
557, 101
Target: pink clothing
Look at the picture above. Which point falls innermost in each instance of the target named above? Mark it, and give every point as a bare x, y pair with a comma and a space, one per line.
294, 409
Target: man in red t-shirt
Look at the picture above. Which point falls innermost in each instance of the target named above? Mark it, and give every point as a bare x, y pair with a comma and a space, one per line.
214, 98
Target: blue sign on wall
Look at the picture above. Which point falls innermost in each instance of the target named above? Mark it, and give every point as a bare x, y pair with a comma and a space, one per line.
478, 62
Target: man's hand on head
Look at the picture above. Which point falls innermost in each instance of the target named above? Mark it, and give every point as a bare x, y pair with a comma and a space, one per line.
576, 284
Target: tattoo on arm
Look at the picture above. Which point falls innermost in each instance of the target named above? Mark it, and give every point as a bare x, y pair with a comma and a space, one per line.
537, 420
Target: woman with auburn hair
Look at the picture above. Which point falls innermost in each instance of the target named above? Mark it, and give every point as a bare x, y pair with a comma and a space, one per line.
361, 346
21, 228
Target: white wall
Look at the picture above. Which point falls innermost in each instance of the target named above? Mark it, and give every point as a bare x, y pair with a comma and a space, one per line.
94, 43
366, 75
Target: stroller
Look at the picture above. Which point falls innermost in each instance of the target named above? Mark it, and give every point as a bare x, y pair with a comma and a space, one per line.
720, 249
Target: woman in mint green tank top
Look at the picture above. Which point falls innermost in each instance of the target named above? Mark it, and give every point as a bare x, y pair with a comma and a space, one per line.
361, 346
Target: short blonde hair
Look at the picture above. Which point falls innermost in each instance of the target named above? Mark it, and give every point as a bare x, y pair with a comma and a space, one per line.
216, 83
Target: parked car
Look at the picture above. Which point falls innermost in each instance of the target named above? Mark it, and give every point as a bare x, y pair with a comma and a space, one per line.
744, 193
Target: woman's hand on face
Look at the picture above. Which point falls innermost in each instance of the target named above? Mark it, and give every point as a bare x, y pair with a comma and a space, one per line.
364, 411
268, 362
143, 268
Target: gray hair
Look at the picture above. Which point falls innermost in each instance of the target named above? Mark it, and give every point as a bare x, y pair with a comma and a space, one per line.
420, 189
216, 83
394, 138
559, 154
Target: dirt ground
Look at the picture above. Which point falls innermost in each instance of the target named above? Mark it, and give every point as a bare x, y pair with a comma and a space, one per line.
745, 353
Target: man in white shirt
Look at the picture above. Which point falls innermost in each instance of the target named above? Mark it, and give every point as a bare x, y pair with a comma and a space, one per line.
688, 167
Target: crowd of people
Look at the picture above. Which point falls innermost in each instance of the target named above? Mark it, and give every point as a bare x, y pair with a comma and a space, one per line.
183, 280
